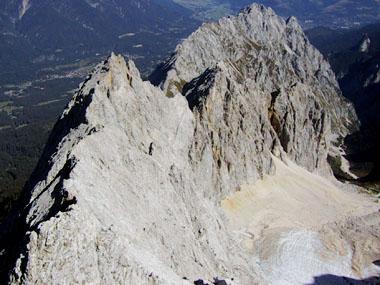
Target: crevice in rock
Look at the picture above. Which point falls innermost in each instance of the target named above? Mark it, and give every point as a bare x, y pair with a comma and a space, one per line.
197, 90
62, 198
275, 121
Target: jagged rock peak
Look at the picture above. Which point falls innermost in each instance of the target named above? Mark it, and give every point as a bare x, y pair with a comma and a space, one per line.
88, 111
270, 60
256, 8
96, 165
254, 26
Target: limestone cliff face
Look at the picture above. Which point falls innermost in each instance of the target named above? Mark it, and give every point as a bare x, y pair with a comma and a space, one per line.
267, 75
102, 209
136, 187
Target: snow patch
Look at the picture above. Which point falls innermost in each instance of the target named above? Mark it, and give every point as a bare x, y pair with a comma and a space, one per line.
25, 5
126, 35
299, 255
280, 219
365, 45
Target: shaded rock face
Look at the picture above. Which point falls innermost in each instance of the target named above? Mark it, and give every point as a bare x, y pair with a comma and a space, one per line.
355, 58
135, 187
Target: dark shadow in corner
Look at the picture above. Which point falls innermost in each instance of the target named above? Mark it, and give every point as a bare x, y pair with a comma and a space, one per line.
330, 279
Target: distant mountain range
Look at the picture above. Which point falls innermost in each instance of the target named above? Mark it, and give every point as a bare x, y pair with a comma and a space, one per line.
310, 13
331, 13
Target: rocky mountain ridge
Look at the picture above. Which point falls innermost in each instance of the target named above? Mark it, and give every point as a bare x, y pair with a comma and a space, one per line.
272, 57
48, 47
216, 175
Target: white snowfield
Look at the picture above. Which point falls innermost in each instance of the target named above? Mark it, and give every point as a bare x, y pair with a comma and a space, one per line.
290, 220
138, 188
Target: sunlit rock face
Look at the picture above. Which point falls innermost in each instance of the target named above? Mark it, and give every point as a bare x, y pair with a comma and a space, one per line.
261, 70
217, 174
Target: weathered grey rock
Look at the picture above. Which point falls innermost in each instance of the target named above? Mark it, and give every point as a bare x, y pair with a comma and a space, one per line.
107, 212
135, 187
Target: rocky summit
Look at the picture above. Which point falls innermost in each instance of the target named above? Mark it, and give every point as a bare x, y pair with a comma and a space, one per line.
220, 174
